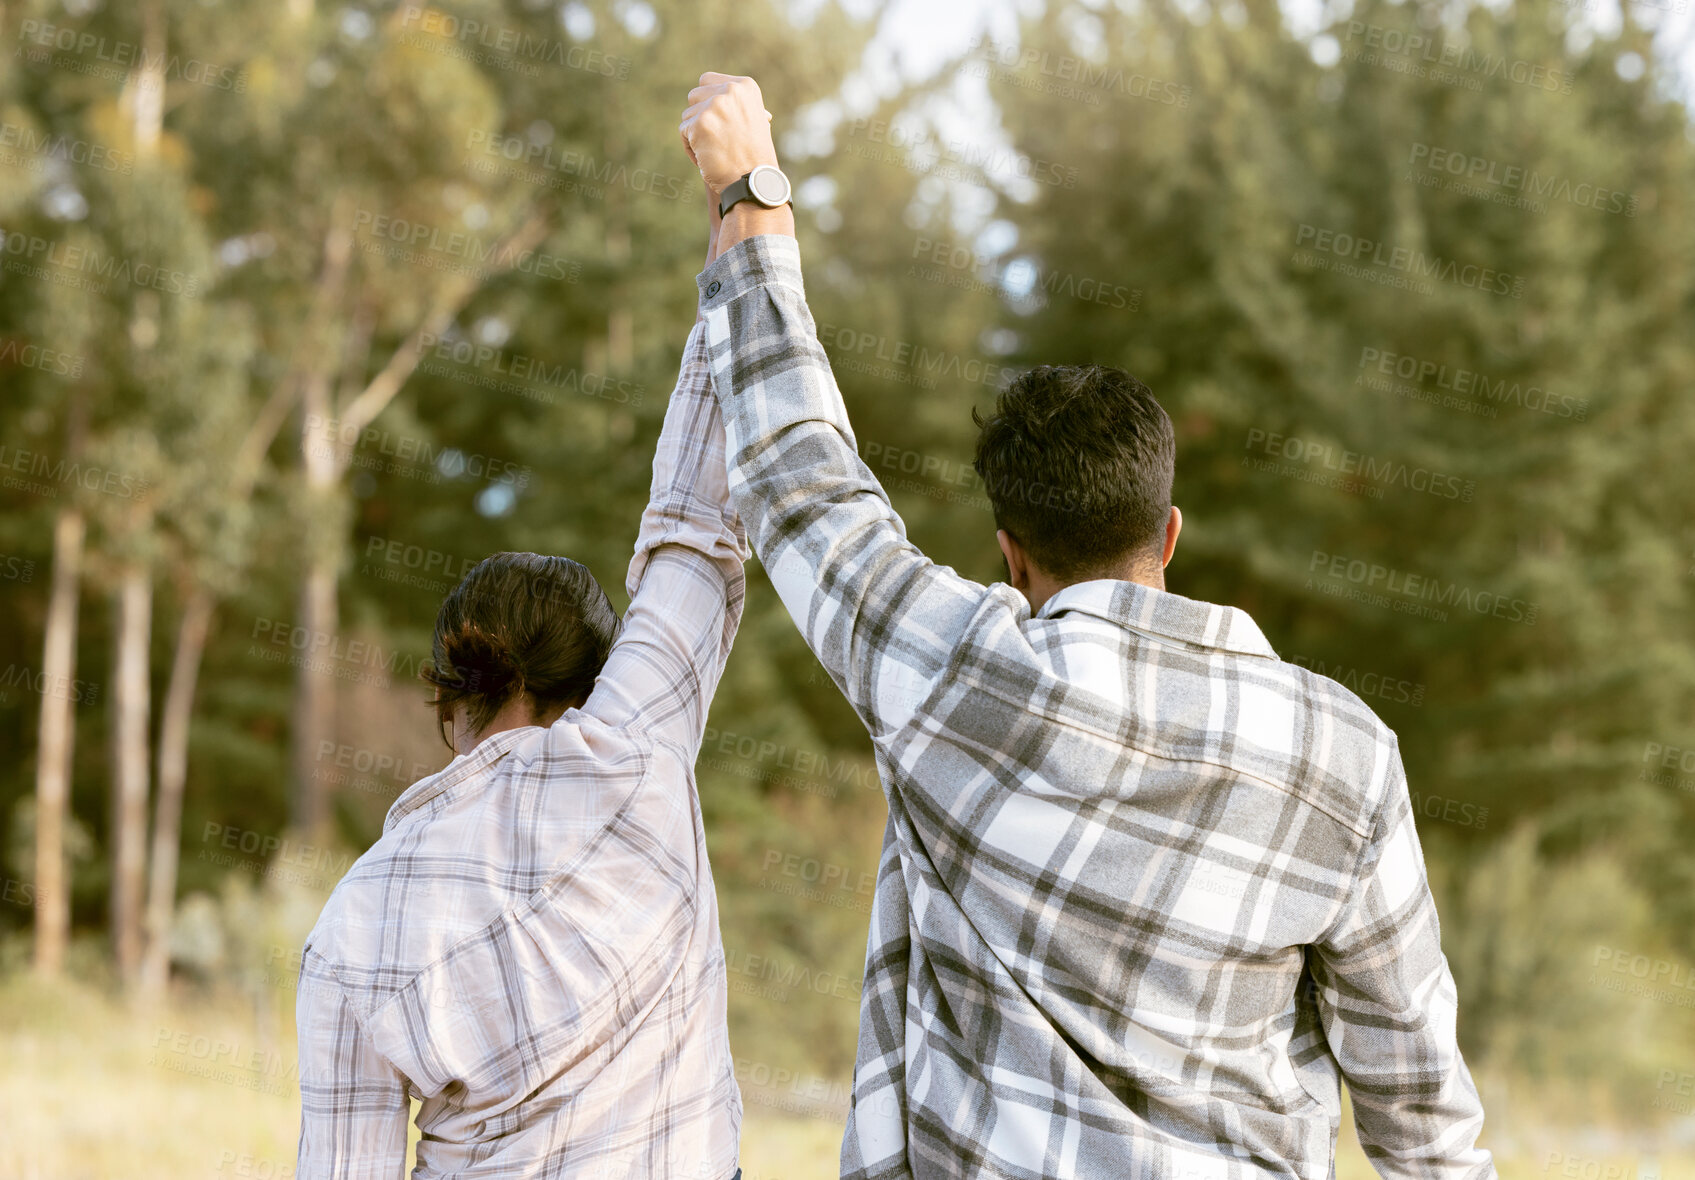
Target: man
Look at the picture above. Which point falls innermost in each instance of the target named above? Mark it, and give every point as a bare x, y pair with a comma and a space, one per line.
531, 949
1147, 893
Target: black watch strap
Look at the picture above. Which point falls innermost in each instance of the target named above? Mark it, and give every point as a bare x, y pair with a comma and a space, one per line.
734, 194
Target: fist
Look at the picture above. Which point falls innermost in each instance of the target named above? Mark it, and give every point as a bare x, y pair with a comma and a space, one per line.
727, 129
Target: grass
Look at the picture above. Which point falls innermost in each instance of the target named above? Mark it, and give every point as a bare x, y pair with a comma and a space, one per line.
205, 1087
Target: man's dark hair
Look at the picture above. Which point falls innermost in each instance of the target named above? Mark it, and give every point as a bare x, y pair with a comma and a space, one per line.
1077, 461
519, 622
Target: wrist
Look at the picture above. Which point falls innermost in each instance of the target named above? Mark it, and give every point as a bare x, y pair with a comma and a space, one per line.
750, 219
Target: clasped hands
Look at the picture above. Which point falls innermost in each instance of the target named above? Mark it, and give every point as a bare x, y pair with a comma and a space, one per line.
727, 132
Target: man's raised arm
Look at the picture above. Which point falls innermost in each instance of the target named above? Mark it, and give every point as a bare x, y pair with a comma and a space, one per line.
881, 617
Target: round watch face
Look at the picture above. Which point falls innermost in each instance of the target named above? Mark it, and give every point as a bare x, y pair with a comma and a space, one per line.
769, 186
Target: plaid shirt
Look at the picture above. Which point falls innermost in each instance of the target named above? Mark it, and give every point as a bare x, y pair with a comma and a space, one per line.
1147, 893
532, 949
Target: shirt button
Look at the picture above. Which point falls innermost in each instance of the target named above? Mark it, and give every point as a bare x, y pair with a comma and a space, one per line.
713, 288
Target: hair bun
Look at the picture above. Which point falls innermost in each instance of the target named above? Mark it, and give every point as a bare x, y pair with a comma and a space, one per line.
518, 625
477, 662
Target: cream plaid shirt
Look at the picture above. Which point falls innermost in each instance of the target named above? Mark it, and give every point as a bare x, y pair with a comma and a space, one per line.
1148, 894
532, 949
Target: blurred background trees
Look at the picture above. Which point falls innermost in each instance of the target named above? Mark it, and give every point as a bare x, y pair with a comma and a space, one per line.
305, 308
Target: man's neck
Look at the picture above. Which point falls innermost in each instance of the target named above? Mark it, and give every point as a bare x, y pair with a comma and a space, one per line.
1041, 587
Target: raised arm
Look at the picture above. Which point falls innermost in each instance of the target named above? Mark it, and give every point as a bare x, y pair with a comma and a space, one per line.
1387, 1001
685, 581
882, 618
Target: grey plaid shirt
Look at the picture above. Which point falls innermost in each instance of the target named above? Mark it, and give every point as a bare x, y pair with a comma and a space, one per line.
532, 946
1147, 894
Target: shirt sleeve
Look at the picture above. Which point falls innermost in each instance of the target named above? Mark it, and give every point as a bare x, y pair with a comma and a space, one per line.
353, 1102
882, 618
1388, 1005
686, 582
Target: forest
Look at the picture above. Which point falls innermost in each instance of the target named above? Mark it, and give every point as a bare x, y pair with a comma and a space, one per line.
305, 308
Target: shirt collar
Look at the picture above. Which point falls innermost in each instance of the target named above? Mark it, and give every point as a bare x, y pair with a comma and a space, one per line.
1163, 614
488, 752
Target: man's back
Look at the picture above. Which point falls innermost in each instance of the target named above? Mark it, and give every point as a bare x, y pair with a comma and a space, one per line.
1130, 819
1146, 893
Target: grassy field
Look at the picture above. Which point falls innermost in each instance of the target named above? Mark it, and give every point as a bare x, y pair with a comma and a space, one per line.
204, 1087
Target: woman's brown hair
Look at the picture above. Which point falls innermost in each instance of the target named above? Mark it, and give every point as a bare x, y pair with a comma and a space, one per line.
517, 623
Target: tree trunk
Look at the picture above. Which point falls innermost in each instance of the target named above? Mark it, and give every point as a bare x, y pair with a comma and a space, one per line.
173, 777
142, 100
130, 706
314, 688
58, 730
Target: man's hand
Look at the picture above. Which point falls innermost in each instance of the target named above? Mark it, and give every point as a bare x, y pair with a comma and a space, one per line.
727, 129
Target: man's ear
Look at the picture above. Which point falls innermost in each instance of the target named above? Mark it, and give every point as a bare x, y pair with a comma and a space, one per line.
1173, 526
1017, 561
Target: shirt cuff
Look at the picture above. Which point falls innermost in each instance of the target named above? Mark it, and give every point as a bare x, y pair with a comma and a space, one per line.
765, 260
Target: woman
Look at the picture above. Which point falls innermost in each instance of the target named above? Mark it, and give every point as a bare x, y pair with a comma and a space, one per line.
532, 948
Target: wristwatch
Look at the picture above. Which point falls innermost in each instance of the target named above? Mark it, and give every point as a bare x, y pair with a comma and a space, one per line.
765, 184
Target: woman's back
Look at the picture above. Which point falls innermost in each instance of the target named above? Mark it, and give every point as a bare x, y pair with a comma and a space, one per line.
532, 949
